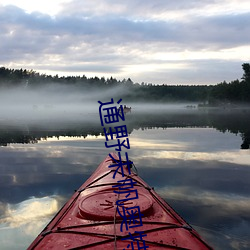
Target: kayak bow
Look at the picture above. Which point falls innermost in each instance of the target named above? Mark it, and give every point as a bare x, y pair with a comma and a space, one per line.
91, 219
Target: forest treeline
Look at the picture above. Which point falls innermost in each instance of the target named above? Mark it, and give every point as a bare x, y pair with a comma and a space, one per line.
236, 91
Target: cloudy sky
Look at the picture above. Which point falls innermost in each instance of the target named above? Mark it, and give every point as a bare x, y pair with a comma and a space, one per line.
157, 41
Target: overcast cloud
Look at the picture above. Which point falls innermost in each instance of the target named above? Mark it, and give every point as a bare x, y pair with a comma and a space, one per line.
160, 41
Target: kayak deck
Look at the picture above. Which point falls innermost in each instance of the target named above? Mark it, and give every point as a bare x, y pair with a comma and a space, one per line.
91, 220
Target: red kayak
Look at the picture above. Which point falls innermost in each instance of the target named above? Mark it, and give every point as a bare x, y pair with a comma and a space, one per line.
116, 209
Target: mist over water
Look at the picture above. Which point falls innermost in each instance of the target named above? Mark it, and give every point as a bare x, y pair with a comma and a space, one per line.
61, 102
55, 102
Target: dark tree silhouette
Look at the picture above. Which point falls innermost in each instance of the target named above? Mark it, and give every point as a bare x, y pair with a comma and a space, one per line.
220, 94
246, 69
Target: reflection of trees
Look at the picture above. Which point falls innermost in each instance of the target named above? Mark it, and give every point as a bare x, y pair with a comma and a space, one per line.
36, 133
246, 141
16, 137
234, 121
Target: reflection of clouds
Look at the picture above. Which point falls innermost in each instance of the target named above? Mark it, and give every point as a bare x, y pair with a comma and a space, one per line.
228, 203
25, 220
29, 212
58, 157
149, 158
186, 139
222, 219
2, 209
203, 144
227, 240
147, 144
46, 168
237, 157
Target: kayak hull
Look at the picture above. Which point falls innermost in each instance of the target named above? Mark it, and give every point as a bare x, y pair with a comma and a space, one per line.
91, 220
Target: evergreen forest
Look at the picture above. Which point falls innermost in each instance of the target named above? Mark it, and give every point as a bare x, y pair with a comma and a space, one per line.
224, 93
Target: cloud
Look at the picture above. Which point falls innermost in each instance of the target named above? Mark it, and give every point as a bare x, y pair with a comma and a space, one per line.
148, 9
29, 210
26, 220
229, 204
115, 30
95, 38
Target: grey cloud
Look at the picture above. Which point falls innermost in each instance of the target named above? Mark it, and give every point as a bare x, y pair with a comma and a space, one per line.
85, 68
217, 31
98, 40
208, 71
220, 31
135, 8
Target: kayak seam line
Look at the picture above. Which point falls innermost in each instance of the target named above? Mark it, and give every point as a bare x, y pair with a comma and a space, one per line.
111, 222
119, 237
110, 235
107, 173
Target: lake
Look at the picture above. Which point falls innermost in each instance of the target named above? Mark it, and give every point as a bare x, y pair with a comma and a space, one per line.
198, 160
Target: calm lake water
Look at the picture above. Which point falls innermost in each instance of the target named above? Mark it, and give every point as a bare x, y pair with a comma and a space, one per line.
197, 160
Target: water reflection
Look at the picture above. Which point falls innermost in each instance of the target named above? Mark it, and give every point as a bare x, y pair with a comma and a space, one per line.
193, 161
29, 210
233, 121
20, 222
